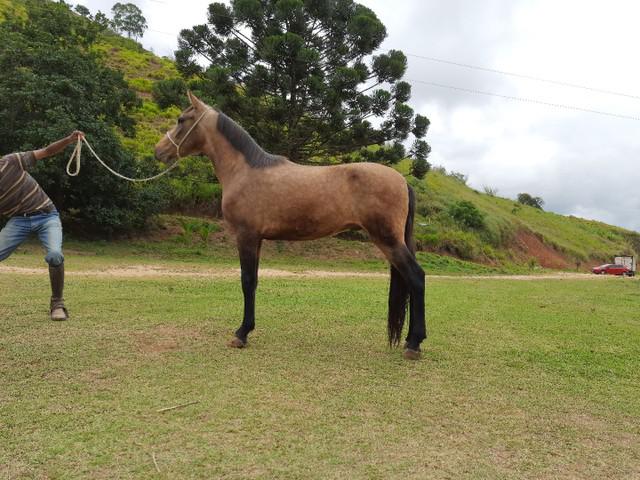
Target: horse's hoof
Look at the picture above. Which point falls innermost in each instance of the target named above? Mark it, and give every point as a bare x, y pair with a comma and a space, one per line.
237, 343
411, 354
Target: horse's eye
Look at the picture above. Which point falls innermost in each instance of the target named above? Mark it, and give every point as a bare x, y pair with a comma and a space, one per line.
181, 120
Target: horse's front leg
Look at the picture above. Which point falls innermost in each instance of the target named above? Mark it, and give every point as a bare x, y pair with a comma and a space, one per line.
249, 251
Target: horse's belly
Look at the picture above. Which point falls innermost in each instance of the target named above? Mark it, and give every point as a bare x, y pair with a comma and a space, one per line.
305, 228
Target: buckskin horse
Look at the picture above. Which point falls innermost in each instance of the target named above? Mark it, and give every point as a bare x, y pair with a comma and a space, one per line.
266, 196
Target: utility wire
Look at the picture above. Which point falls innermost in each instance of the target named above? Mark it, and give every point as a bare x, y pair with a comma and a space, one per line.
520, 75
163, 33
498, 95
485, 69
526, 100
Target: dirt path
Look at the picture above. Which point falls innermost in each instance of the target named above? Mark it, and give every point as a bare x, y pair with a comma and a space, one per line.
149, 271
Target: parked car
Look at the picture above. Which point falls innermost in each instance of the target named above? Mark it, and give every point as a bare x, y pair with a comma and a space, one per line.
613, 269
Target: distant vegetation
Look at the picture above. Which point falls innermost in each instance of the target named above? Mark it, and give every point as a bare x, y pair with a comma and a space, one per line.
128, 18
526, 199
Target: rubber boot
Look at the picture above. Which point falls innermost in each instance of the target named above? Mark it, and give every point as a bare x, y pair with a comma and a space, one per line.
58, 310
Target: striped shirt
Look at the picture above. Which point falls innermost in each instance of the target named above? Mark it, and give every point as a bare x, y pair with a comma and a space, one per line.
19, 192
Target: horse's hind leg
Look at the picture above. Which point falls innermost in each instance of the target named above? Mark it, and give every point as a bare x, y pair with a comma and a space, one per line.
405, 264
249, 251
414, 276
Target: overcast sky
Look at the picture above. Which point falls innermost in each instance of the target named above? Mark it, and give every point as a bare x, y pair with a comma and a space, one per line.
581, 164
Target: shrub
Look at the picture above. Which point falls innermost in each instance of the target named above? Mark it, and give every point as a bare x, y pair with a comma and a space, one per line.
191, 227
526, 199
466, 214
459, 244
491, 191
169, 92
427, 241
460, 177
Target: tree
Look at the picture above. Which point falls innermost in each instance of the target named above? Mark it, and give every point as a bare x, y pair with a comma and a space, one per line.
302, 77
526, 199
82, 10
420, 152
128, 18
102, 20
52, 85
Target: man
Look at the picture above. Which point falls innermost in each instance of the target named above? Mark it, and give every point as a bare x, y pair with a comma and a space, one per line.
31, 211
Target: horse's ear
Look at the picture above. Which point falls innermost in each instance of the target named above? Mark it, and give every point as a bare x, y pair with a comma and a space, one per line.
195, 101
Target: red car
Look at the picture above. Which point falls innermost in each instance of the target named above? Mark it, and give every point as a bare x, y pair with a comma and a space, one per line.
612, 269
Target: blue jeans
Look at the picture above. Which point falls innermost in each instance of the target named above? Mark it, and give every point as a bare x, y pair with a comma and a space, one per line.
48, 228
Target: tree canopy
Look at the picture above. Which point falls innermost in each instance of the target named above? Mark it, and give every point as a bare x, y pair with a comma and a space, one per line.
526, 199
128, 18
50, 86
303, 77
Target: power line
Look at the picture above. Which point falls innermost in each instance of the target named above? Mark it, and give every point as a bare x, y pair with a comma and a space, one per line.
527, 100
164, 33
498, 95
521, 75
494, 70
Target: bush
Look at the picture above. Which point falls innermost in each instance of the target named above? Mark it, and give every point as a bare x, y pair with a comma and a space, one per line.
459, 244
466, 214
190, 227
460, 177
526, 199
491, 191
193, 186
170, 92
427, 241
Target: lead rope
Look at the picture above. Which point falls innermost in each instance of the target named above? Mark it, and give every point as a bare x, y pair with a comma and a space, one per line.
77, 152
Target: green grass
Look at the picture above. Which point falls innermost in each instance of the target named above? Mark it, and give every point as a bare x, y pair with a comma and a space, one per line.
8, 8
139, 67
520, 379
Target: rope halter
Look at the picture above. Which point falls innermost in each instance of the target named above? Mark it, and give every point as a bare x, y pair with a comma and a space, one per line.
178, 145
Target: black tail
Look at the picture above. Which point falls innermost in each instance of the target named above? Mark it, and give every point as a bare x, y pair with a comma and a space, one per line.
398, 289
408, 228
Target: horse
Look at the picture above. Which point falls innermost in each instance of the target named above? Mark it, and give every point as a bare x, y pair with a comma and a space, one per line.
269, 197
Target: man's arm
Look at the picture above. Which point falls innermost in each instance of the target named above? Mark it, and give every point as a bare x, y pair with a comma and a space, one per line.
57, 147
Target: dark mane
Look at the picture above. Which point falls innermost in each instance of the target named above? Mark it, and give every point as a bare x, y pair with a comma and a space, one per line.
240, 140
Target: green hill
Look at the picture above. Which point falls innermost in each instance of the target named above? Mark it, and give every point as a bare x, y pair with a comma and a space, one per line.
452, 219
512, 232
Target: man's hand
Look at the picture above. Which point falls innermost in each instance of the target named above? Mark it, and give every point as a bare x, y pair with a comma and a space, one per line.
75, 135
58, 146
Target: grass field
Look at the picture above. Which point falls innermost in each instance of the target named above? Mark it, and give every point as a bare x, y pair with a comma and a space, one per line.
520, 379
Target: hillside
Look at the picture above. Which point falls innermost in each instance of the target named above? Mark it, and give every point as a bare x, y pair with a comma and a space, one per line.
512, 232
452, 219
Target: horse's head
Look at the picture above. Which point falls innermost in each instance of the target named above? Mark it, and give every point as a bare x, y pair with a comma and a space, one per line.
189, 136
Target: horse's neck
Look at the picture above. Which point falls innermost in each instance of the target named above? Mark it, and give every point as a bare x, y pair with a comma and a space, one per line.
228, 163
